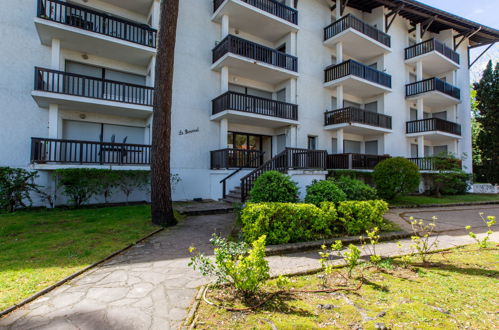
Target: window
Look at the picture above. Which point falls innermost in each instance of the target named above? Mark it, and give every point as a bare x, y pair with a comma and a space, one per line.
250, 91
440, 150
99, 132
374, 65
440, 115
351, 147
371, 147
412, 78
312, 142
414, 151
334, 146
372, 107
244, 141
281, 95
414, 114
282, 48
334, 60
347, 104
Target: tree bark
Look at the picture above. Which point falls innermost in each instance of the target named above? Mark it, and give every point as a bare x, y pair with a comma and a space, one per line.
161, 196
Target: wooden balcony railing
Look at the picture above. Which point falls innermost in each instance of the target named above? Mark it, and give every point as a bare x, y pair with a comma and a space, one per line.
47, 80
94, 21
88, 152
351, 67
432, 124
351, 161
256, 105
350, 21
437, 163
254, 51
429, 46
430, 85
270, 6
236, 158
355, 115
290, 158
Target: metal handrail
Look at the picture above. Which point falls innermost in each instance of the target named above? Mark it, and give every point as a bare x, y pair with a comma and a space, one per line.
224, 180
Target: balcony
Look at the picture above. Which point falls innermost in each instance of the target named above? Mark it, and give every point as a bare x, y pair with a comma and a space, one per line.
358, 79
253, 110
357, 121
235, 158
432, 126
359, 39
266, 19
254, 61
75, 152
435, 92
354, 161
437, 58
77, 92
437, 163
86, 30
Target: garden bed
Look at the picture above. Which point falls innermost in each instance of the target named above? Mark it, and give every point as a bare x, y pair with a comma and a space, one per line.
41, 247
454, 290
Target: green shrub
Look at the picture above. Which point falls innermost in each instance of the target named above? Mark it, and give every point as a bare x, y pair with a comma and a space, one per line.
395, 176
356, 190
16, 186
359, 216
288, 222
273, 186
324, 191
235, 264
450, 179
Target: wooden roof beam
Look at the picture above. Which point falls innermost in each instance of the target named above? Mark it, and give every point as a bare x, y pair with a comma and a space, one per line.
464, 36
394, 14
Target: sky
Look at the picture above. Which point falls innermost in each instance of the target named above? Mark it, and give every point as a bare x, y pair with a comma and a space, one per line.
480, 11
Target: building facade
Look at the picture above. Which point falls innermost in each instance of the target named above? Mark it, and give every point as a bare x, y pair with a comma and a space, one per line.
298, 86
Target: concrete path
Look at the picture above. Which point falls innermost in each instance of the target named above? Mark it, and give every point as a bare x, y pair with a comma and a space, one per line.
151, 286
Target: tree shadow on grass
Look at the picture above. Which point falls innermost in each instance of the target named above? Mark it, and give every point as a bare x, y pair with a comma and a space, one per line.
281, 304
461, 270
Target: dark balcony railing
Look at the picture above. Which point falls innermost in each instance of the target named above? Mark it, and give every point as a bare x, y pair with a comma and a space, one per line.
60, 82
351, 161
429, 46
355, 115
270, 6
350, 21
87, 152
437, 163
254, 51
432, 124
256, 105
430, 85
236, 158
351, 67
94, 21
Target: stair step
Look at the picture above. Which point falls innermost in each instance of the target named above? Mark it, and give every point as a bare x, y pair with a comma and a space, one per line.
232, 200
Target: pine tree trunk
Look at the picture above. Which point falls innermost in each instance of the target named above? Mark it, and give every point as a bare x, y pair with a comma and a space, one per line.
161, 196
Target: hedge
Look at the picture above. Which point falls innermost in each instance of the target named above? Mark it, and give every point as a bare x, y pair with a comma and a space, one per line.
298, 222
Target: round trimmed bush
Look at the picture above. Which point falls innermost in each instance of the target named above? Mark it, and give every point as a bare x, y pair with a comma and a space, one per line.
273, 186
356, 190
324, 191
395, 176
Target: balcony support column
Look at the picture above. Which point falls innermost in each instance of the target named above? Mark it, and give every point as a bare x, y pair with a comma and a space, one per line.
224, 79
339, 97
339, 141
418, 33
292, 91
155, 14
339, 52
420, 108
338, 9
421, 146
292, 44
419, 70
292, 137
225, 26
55, 127
55, 62
224, 130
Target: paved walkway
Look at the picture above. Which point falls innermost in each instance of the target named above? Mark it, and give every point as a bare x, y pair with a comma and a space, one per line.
151, 286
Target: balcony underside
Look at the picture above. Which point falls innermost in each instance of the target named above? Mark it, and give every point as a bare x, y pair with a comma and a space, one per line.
253, 69
142, 7
93, 43
247, 118
54, 167
257, 22
358, 45
86, 104
434, 63
435, 137
357, 128
359, 87
436, 99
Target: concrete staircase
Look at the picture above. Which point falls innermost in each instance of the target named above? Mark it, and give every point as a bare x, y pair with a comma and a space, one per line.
234, 196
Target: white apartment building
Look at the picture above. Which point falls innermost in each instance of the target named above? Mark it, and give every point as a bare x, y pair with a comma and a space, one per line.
294, 85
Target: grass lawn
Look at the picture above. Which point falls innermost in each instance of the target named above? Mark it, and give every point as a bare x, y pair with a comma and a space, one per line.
422, 200
40, 247
458, 289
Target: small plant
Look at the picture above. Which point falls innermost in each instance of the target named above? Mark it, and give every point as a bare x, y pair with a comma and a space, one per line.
395, 176
405, 259
16, 186
130, 181
282, 282
273, 186
489, 222
370, 248
421, 240
324, 191
351, 258
235, 264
